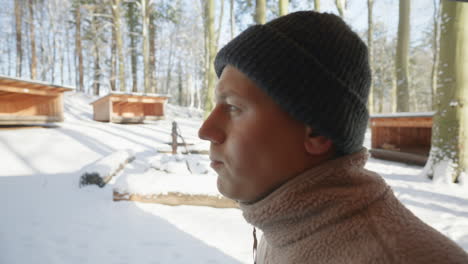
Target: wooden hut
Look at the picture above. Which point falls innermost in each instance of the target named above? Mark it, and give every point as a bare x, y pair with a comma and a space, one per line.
403, 137
129, 107
24, 102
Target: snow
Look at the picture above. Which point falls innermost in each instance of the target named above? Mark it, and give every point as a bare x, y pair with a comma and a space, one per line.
443, 170
454, 103
46, 218
443, 206
194, 164
159, 182
111, 164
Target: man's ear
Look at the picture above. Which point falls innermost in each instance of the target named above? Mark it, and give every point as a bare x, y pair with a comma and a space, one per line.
316, 144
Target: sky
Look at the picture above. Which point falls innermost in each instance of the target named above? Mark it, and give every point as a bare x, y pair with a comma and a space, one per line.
385, 11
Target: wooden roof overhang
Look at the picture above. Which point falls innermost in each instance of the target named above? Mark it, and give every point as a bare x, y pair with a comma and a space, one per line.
10, 86
416, 119
133, 98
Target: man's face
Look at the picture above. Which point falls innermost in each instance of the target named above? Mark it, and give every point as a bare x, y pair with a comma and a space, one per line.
255, 146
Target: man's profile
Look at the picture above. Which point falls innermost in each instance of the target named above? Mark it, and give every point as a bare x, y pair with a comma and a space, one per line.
286, 140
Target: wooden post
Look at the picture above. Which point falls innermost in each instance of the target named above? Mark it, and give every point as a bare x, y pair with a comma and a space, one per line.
174, 137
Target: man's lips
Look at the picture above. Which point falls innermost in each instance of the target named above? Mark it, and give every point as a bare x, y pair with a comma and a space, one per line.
216, 163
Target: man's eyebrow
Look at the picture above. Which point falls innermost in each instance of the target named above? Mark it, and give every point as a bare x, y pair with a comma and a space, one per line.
224, 94
222, 97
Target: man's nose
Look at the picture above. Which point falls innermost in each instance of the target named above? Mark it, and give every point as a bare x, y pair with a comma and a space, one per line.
211, 129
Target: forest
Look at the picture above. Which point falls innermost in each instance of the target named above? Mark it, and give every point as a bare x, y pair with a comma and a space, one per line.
168, 47
165, 46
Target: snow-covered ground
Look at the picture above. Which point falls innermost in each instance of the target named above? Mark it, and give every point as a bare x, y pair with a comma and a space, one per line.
47, 218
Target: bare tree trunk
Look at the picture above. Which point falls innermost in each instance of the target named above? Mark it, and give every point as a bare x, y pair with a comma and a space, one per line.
232, 17
341, 6
60, 42
449, 152
206, 50
69, 54
317, 5
435, 50
96, 54
211, 54
191, 89
145, 24
54, 56
19, 50
132, 23
43, 51
54, 23
33, 40
394, 94
260, 12
198, 101
402, 75
9, 66
79, 52
97, 71
180, 85
169, 65
62, 56
47, 42
119, 43
283, 7
370, 33
220, 24
152, 52
113, 66
382, 98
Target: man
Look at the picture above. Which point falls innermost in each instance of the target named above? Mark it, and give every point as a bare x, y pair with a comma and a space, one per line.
286, 141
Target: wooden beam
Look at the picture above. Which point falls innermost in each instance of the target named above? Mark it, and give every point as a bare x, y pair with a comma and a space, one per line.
402, 122
408, 158
136, 100
5, 88
175, 198
31, 84
19, 84
121, 120
14, 96
25, 120
6, 82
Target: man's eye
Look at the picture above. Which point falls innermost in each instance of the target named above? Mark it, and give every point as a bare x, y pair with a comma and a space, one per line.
232, 108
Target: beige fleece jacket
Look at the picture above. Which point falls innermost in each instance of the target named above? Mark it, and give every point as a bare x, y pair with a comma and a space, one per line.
338, 212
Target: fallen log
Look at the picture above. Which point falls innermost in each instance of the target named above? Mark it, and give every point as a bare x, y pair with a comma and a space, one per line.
176, 198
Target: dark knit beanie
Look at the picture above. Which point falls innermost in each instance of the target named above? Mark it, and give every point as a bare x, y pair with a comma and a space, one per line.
314, 66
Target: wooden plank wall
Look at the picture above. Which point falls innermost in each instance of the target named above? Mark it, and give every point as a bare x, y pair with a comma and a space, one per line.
30, 105
126, 109
409, 134
111, 108
155, 109
101, 111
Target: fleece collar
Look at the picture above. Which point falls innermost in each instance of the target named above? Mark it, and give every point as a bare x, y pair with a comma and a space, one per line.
316, 199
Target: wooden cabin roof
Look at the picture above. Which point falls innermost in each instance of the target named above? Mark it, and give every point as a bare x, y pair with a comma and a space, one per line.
403, 114
406, 119
24, 86
133, 97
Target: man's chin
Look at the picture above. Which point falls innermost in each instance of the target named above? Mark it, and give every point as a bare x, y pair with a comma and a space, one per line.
223, 189
220, 186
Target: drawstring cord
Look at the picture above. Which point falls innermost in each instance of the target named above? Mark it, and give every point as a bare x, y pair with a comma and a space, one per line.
255, 245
